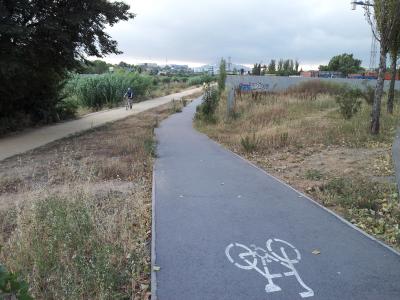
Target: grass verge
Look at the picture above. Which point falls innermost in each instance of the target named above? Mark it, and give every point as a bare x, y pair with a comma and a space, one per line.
75, 215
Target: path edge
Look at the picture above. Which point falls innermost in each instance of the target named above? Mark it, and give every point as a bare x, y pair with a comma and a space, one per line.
340, 218
153, 237
396, 158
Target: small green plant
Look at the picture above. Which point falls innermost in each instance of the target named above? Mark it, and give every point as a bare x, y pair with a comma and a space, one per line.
250, 142
368, 93
337, 186
184, 102
206, 111
12, 287
150, 145
283, 138
222, 76
349, 102
313, 174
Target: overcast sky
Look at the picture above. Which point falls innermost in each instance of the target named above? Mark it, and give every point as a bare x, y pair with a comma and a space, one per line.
198, 32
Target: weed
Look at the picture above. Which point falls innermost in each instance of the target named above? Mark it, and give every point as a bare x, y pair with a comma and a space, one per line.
176, 107
250, 142
313, 174
150, 146
349, 102
206, 111
12, 287
10, 184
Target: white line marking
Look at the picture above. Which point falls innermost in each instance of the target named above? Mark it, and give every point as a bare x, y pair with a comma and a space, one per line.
247, 258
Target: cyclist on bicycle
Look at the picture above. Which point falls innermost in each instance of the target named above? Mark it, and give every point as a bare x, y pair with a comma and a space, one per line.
129, 96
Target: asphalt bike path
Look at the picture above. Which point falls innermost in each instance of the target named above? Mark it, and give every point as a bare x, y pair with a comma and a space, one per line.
224, 229
33, 138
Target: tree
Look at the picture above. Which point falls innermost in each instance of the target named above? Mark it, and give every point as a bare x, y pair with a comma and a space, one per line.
394, 52
256, 70
280, 66
222, 76
384, 21
272, 67
345, 63
94, 67
286, 67
296, 66
40, 41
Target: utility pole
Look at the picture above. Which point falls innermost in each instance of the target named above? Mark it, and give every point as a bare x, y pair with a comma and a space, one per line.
372, 58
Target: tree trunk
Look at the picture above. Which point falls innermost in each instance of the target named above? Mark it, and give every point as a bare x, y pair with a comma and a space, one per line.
376, 108
392, 82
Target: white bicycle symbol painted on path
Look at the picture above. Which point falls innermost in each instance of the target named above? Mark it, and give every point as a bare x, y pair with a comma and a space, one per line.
278, 251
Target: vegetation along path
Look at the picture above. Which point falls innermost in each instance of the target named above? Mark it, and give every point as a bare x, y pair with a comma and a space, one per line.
225, 229
32, 139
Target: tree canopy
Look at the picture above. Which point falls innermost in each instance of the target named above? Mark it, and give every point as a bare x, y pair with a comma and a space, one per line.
345, 63
40, 41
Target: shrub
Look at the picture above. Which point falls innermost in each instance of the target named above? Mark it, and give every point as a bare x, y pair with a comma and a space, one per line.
313, 174
197, 80
150, 145
12, 287
349, 102
206, 110
176, 106
67, 108
368, 94
166, 79
107, 90
250, 142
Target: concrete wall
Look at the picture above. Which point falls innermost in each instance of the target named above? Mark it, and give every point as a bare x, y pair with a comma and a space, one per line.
279, 83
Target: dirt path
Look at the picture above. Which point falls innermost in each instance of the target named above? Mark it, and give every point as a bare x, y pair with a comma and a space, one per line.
31, 139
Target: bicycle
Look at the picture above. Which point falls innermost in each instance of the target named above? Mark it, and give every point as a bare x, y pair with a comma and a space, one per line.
128, 103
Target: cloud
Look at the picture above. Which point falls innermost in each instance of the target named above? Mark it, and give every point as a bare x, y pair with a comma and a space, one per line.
202, 31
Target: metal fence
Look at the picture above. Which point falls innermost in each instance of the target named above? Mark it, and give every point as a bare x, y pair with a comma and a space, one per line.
280, 83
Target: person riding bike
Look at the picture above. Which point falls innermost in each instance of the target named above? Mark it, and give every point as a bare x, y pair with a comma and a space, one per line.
129, 96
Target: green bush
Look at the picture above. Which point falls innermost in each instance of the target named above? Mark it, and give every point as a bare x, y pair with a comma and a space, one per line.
250, 142
313, 174
206, 110
166, 79
67, 108
12, 287
197, 80
349, 102
107, 90
150, 145
368, 94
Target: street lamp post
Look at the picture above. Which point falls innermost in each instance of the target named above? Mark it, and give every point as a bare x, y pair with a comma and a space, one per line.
362, 3
366, 4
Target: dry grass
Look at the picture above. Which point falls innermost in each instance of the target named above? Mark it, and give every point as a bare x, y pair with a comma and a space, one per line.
304, 140
75, 215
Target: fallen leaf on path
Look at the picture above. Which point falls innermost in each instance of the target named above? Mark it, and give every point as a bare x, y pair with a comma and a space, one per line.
156, 268
316, 252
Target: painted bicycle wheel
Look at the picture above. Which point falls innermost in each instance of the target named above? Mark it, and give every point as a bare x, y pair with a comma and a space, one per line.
241, 256
283, 251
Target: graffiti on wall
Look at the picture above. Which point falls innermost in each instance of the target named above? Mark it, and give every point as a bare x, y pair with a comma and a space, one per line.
254, 87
